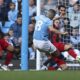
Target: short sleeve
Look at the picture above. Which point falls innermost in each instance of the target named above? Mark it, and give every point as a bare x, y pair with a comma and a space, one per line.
36, 17
49, 23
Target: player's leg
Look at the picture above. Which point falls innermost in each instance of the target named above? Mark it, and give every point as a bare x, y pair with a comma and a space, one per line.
52, 65
49, 64
62, 64
68, 47
59, 46
46, 62
60, 59
10, 49
46, 46
53, 50
9, 57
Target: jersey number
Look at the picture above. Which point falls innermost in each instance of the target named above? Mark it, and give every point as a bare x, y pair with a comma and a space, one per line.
38, 25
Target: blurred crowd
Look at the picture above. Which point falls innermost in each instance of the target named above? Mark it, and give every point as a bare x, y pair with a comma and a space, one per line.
67, 18
11, 23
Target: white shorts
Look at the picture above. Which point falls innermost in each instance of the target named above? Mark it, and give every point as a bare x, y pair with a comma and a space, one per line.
44, 46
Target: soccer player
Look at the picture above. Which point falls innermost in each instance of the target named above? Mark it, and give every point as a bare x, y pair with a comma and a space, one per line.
55, 39
5, 46
43, 25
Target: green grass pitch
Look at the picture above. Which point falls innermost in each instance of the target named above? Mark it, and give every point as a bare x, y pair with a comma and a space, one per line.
39, 75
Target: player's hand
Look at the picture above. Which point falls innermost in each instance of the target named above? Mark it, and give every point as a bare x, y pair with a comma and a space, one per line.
64, 33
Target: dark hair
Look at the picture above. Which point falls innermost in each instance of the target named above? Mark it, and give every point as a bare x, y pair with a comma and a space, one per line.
77, 2
56, 19
11, 4
59, 7
19, 16
51, 13
67, 19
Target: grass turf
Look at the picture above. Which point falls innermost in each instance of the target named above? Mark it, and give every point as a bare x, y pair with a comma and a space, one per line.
40, 75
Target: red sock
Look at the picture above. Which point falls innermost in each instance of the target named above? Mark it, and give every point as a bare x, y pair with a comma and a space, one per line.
72, 53
9, 57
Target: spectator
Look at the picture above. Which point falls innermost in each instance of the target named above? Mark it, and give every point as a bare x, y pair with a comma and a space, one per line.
4, 15
63, 2
3, 11
32, 7
50, 4
19, 7
75, 38
17, 30
11, 37
12, 14
42, 7
31, 30
74, 15
67, 28
12, 42
61, 14
16, 3
61, 11
72, 2
30, 44
8, 2
17, 27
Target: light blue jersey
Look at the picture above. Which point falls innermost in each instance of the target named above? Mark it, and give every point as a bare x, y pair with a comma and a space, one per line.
41, 28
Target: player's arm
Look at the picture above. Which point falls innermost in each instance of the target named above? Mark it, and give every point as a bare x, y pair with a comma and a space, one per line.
56, 31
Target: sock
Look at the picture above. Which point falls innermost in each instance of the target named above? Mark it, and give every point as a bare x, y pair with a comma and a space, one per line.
9, 57
47, 61
52, 68
72, 53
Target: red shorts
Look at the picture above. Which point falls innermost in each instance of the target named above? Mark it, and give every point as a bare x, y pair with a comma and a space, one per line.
59, 46
4, 44
59, 61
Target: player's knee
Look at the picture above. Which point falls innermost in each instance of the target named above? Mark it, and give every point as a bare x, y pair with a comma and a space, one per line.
68, 46
55, 54
63, 66
10, 48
